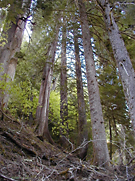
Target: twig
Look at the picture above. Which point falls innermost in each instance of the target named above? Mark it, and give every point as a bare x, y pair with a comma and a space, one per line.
7, 116
72, 145
6, 178
51, 174
125, 3
131, 161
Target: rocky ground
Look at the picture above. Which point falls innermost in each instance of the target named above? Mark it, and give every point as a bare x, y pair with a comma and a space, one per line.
24, 157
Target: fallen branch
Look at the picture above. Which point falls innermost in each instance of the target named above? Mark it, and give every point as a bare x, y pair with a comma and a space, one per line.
6, 115
6, 178
24, 147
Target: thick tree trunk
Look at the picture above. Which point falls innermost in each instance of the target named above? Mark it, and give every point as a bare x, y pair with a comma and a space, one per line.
11, 73
124, 64
14, 36
63, 86
13, 43
83, 131
44, 95
98, 129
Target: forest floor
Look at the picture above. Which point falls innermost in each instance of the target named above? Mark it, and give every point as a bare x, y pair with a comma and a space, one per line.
25, 157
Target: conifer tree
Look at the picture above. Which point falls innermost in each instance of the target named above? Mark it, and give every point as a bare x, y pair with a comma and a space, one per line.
83, 131
121, 55
63, 85
12, 34
44, 95
98, 129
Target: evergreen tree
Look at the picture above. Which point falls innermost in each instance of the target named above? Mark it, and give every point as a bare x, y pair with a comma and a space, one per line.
44, 95
121, 55
63, 86
83, 131
98, 129
12, 35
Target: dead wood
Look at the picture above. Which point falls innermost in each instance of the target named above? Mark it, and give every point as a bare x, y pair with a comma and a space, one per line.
5, 178
17, 143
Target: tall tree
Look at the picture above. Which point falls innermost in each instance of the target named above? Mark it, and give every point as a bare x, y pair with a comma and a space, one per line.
83, 131
63, 84
44, 95
123, 61
98, 129
14, 34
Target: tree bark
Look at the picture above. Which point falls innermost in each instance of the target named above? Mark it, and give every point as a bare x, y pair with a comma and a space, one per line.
14, 38
13, 43
63, 86
98, 129
11, 73
44, 95
83, 131
123, 61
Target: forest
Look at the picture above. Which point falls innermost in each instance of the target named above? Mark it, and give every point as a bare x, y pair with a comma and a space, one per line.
67, 90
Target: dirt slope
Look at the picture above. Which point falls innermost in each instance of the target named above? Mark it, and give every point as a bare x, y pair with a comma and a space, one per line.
23, 156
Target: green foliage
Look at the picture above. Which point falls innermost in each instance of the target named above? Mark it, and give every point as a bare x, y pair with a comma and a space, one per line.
54, 108
4, 85
46, 7
23, 99
112, 96
55, 123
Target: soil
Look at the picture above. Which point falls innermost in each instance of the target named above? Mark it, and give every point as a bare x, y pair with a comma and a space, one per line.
24, 157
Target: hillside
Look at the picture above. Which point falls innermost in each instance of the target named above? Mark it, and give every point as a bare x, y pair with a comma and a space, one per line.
25, 157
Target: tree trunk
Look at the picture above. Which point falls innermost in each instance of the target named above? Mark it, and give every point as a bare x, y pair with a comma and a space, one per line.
44, 95
98, 129
123, 61
2, 18
83, 131
118, 142
14, 36
110, 129
63, 87
11, 74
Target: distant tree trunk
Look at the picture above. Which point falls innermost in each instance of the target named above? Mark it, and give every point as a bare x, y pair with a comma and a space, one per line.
63, 87
123, 61
110, 129
118, 143
44, 95
2, 18
83, 131
14, 36
98, 129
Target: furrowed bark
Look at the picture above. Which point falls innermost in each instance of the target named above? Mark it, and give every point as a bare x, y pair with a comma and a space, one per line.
121, 55
98, 129
14, 36
44, 95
